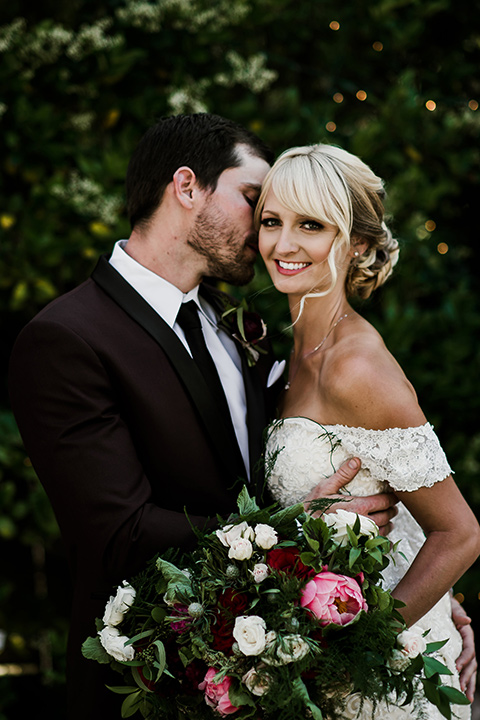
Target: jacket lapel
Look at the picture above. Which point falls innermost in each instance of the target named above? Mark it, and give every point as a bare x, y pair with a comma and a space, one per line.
256, 417
139, 310
254, 393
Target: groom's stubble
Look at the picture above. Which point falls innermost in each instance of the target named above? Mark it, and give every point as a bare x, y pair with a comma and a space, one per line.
230, 255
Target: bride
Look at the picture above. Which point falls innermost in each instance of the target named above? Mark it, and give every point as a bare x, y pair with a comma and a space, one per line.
323, 239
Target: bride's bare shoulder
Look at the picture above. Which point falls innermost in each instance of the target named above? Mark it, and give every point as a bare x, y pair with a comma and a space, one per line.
365, 386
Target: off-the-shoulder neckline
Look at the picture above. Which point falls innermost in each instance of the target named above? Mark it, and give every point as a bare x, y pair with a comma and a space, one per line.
324, 426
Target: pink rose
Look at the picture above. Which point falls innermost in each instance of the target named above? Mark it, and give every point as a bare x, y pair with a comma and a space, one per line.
216, 695
333, 598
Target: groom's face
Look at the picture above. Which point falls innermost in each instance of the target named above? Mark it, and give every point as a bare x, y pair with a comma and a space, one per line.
223, 232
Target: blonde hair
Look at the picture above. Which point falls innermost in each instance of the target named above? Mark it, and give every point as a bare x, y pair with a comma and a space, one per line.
333, 186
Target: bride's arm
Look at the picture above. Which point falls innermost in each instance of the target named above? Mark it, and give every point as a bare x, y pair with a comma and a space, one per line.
372, 392
452, 545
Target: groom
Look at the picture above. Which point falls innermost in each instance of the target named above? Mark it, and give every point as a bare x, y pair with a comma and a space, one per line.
125, 417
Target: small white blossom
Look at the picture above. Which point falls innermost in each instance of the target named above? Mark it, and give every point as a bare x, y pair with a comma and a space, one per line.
258, 684
292, 648
341, 518
265, 536
241, 549
119, 604
114, 644
260, 572
412, 642
249, 632
229, 533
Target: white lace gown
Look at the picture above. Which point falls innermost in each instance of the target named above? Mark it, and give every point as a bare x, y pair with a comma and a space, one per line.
302, 453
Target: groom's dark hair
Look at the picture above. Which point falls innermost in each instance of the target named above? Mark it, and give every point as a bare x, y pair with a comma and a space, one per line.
203, 142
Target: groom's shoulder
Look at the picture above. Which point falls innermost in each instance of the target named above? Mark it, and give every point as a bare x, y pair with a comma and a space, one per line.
85, 300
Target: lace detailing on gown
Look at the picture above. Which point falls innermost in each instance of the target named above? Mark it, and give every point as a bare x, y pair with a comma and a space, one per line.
300, 453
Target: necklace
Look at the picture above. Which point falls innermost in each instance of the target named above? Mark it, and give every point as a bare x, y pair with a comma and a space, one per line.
320, 344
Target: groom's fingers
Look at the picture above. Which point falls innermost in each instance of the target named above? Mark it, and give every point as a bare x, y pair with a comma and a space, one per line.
380, 508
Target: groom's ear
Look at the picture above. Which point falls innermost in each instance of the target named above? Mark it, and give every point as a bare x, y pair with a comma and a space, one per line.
185, 187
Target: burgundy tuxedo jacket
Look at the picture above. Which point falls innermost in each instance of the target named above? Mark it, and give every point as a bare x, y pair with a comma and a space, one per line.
124, 434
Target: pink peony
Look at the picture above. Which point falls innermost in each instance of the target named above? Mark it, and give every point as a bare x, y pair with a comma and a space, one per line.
333, 598
216, 695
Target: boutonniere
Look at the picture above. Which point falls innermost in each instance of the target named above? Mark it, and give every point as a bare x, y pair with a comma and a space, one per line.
246, 327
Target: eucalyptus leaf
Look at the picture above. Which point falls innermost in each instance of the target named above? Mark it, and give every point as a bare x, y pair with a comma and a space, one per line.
433, 666
92, 649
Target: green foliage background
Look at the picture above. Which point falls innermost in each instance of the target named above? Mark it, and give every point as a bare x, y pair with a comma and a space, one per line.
79, 84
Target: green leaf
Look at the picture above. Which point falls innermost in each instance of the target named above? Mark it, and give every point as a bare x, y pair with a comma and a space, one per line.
376, 554
140, 636
121, 689
453, 695
286, 516
246, 504
431, 692
352, 537
300, 690
161, 657
434, 646
433, 666
92, 649
354, 554
239, 697
158, 614
241, 325
139, 680
131, 704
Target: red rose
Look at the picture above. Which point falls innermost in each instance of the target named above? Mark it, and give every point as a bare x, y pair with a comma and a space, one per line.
231, 604
288, 560
254, 327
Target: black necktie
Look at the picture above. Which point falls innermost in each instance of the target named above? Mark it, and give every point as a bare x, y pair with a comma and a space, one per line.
189, 321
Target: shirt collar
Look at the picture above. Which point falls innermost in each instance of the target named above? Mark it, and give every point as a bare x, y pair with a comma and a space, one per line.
160, 294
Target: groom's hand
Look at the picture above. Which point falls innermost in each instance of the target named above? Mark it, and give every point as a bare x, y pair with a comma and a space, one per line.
466, 662
380, 508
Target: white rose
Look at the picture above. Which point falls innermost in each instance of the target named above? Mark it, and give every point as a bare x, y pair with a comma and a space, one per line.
114, 644
249, 632
257, 684
260, 572
341, 518
292, 648
230, 533
265, 536
241, 549
412, 642
117, 606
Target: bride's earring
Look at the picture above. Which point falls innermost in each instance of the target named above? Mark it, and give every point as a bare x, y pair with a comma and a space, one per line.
356, 253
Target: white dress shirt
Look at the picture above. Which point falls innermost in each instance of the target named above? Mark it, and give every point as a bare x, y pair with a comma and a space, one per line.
166, 299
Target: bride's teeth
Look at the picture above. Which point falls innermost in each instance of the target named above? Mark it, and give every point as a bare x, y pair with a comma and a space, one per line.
292, 266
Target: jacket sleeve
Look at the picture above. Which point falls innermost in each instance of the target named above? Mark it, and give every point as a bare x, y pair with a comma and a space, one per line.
70, 418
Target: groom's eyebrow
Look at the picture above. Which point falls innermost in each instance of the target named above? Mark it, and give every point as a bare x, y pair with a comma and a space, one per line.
252, 186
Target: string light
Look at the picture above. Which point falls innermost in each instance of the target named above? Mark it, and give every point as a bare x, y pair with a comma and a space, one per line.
473, 105
331, 127
442, 248
334, 25
377, 46
430, 225
431, 105
361, 95
338, 97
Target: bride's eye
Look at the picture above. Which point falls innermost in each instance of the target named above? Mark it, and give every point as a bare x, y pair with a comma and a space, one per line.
269, 222
312, 225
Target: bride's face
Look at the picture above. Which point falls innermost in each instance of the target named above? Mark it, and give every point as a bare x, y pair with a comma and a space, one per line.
294, 248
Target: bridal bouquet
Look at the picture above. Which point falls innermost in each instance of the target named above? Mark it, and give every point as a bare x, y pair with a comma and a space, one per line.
275, 615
